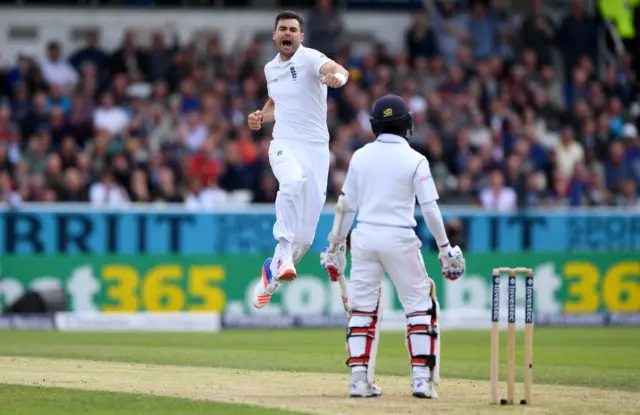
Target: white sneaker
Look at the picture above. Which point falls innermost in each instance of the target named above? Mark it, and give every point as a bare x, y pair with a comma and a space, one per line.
423, 388
286, 270
265, 287
360, 388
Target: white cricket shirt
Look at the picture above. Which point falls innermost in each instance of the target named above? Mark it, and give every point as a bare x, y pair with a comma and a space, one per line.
384, 180
300, 99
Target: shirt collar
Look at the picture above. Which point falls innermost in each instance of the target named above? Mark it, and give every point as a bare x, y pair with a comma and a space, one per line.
392, 139
293, 58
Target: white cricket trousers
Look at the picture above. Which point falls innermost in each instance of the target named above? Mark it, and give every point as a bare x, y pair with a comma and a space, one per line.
378, 249
302, 171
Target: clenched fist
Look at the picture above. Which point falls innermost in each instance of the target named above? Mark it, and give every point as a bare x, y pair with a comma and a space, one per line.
333, 80
255, 120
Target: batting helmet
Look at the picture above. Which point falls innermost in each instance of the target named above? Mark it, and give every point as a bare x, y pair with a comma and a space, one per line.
390, 110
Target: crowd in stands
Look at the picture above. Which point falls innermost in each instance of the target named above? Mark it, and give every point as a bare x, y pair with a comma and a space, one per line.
501, 126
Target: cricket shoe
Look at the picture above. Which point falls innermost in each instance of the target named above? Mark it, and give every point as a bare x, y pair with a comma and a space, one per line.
286, 270
360, 388
265, 287
423, 388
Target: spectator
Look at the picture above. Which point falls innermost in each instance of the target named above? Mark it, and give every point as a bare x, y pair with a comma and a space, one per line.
483, 32
452, 28
498, 196
160, 57
8, 196
538, 33
617, 169
421, 40
74, 189
204, 198
324, 28
534, 187
558, 195
139, 187
568, 153
129, 59
495, 129
166, 190
91, 54
18, 75
577, 37
109, 117
107, 192
56, 70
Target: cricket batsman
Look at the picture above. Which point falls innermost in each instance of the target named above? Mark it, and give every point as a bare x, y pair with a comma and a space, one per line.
297, 82
384, 179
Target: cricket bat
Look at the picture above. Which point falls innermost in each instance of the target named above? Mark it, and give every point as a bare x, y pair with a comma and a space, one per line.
342, 281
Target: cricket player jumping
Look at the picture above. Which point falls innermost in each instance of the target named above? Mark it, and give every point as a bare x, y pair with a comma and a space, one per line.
384, 179
297, 81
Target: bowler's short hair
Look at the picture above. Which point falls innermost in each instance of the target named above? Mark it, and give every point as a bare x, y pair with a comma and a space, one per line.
288, 15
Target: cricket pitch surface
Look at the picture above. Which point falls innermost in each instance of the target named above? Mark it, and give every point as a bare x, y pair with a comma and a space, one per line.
315, 393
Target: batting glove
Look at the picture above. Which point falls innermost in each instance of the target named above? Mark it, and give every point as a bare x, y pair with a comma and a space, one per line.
334, 263
452, 262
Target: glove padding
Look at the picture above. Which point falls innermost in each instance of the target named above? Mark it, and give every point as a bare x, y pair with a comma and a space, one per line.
334, 263
452, 263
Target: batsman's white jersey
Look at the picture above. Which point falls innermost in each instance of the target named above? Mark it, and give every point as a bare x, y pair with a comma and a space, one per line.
299, 152
384, 179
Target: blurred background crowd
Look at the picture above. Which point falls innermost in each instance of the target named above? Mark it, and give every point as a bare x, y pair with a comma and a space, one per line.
511, 113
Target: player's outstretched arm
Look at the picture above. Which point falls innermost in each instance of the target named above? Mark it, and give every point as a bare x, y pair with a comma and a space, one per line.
335, 76
266, 114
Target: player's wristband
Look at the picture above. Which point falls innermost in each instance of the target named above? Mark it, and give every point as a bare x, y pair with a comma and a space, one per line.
341, 77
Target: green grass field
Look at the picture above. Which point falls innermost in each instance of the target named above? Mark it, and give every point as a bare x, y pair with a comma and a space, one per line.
575, 371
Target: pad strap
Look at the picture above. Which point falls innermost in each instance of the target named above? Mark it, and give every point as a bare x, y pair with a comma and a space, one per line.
424, 360
367, 332
414, 341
